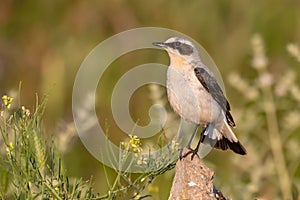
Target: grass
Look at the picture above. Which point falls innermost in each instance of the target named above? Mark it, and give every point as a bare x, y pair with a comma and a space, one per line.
271, 114
31, 167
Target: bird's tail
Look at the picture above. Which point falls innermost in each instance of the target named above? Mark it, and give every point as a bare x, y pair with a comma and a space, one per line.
229, 140
224, 139
236, 147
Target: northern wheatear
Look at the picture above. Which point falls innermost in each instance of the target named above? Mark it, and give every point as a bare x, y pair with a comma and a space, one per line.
195, 95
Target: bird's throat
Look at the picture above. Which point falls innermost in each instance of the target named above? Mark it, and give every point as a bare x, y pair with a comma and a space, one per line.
177, 61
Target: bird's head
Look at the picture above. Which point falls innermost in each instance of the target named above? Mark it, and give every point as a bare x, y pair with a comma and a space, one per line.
179, 47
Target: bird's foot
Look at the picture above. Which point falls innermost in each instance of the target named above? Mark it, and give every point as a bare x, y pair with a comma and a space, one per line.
191, 151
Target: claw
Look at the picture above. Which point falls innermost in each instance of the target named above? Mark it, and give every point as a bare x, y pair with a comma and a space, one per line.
195, 152
191, 151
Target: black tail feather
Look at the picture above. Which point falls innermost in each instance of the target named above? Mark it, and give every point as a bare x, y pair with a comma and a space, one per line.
224, 144
236, 147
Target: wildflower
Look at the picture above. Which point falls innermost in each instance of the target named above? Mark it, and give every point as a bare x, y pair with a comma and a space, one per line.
291, 120
243, 86
295, 92
137, 196
293, 49
265, 79
11, 146
284, 83
134, 144
142, 160
260, 61
7, 100
143, 179
25, 112
174, 145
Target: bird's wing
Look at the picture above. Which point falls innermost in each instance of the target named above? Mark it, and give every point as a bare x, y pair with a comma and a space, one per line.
211, 85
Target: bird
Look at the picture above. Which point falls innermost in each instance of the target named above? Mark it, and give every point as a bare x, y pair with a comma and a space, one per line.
195, 95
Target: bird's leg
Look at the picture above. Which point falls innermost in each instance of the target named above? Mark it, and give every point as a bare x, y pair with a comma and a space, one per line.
188, 146
192, 137
195, 151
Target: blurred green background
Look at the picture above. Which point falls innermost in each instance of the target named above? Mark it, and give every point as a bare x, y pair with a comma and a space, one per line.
42, 44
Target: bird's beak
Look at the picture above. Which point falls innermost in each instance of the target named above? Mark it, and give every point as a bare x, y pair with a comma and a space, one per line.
159, 44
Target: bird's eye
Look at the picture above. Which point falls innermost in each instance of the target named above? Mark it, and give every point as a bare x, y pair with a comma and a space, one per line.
177, 44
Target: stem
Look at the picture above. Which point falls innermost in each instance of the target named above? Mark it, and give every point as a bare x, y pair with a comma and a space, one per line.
52, 191
116, 181
275, 142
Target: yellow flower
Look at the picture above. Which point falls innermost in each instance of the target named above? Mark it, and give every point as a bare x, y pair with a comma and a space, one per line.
134, 144
137, 196
7, 100
11, 146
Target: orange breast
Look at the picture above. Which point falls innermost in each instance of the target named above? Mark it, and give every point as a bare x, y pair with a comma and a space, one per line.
178, 61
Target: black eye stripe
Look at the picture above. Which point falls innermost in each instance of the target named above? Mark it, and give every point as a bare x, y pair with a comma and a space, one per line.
177, 44
183, 48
